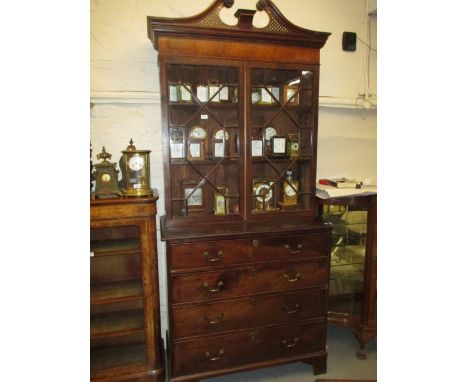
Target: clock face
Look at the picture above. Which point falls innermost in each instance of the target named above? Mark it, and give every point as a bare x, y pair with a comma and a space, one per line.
264, 192
198, 133
105, 178
219, 135
295, 146
289, 190
269, 132
136, 163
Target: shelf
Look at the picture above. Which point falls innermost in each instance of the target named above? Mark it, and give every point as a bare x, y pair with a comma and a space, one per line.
109, 247
231, 160
117, 323
256, 106
116, 291
116, 356
302, 158
210, 105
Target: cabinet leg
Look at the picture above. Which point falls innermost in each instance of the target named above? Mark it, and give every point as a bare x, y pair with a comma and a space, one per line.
361, 353
319, 364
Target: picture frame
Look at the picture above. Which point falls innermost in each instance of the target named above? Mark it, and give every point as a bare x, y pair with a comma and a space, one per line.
202, 93
279, 146
257, 147
173, 93
219, 148
193, 196
177, 142
196, 150
184, 93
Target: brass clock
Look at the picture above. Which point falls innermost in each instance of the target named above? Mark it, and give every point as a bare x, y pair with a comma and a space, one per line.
293, 146
263, 195
289, 193
135, 168
105, 174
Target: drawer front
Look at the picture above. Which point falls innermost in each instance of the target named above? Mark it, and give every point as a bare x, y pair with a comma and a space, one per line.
247, 312
242, 251
245, 281
247, 346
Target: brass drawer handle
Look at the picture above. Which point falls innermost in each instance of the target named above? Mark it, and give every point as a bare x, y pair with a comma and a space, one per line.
292, 250
296, 308
213, 258
218, 319
215, 358
216, 288
292, 279
290, 344
255, 243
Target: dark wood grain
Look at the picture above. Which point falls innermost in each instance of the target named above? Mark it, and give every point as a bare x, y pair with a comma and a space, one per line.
125, 326
249, 288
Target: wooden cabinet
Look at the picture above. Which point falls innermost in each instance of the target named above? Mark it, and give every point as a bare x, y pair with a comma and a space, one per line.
247, 256
124, 323
353, 274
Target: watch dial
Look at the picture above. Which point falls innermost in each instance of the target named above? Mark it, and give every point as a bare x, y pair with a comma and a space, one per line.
136, 163
198, 133
295, 146
289, 191
219, 135
105, 177
264, 192
269, 132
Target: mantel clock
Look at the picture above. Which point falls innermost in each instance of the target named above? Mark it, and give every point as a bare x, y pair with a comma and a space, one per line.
105, 174
135, 168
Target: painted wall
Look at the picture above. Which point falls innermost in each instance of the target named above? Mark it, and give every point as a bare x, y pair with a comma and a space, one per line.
126, 98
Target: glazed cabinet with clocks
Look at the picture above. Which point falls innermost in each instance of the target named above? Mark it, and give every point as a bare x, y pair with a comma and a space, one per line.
239, 138
247, 257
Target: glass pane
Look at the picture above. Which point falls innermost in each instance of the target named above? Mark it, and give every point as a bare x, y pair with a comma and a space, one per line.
347, 257
281, 140
117, 322
204, 140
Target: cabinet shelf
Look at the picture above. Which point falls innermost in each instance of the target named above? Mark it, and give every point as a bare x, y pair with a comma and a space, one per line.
233, 160
221, 105
116, 292
111, 247
109, 357
115, 324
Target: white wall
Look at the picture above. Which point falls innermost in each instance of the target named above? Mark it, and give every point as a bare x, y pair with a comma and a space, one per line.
125, 85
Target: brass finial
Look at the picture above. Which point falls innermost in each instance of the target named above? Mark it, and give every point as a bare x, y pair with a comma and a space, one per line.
131, 147
104, 155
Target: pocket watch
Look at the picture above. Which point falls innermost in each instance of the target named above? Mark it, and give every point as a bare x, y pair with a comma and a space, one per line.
135, 172
105, 174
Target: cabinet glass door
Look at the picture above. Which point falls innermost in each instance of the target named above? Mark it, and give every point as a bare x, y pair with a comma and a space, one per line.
204, 140
117, 322
280, 146
347, 257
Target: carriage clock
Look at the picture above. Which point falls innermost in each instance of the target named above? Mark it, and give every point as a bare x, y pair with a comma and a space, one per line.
135, 166
289, 193
105, 174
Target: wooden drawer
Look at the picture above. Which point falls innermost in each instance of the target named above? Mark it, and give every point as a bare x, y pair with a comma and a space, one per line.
242, 251
247, 346
250, 280
220, 316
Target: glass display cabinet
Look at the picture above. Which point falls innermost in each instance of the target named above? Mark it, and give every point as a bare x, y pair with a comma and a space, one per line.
353, 265
124, 322
247, 256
